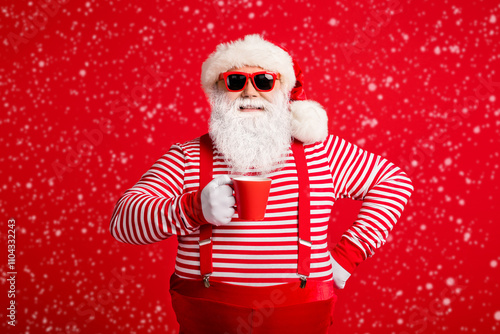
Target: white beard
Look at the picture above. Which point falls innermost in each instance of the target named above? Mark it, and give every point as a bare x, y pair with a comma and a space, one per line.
251, 142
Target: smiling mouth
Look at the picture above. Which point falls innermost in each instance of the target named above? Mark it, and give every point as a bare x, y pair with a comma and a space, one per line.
251, 108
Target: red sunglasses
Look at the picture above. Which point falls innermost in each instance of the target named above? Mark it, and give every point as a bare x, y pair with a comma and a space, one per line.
237, 81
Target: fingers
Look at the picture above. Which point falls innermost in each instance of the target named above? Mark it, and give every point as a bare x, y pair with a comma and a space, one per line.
232, 202
221, 186
222, 180
339, 285
225, 190
226, 217
340, 275
230, 213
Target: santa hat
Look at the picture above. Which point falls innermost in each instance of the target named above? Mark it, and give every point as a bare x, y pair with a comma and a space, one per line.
310, 121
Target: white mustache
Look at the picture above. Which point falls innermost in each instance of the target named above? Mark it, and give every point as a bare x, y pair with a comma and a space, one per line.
241, 103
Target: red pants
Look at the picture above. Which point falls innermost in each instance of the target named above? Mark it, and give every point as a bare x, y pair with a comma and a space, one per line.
227, 308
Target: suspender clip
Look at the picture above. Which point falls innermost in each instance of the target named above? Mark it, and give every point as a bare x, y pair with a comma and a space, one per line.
205, 280
305, 242
303, 281
205, 242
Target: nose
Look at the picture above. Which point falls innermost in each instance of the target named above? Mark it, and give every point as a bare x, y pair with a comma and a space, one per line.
250, 90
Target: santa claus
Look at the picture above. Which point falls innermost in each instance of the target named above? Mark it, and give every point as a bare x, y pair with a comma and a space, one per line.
276, 275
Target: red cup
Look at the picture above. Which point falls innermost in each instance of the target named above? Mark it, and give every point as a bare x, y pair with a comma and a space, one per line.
252, 193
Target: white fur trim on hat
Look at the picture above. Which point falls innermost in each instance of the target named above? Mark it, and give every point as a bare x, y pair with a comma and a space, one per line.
310, 121
253, 50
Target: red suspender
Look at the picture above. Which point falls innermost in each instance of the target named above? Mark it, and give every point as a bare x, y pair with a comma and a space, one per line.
206, 175
304, 264
304, 241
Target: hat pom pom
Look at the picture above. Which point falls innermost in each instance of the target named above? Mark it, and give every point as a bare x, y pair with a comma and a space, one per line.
310, 121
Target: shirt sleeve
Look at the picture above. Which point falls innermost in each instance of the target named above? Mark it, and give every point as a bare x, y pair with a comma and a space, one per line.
156, 207
384, 189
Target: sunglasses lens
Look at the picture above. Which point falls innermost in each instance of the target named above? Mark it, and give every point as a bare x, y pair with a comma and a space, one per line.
264, 81
236, 81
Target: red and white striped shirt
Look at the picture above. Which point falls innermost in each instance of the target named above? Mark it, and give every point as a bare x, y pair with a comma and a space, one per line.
264, 253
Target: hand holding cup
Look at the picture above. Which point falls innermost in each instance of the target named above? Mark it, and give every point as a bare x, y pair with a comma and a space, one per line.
217, 201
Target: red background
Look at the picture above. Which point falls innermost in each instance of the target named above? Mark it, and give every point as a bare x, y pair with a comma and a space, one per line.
408, 93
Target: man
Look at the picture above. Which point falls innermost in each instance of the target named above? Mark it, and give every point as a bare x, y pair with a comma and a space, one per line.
275, 275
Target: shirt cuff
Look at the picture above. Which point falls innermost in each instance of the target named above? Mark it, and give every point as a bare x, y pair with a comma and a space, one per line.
191, 205
347, 254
